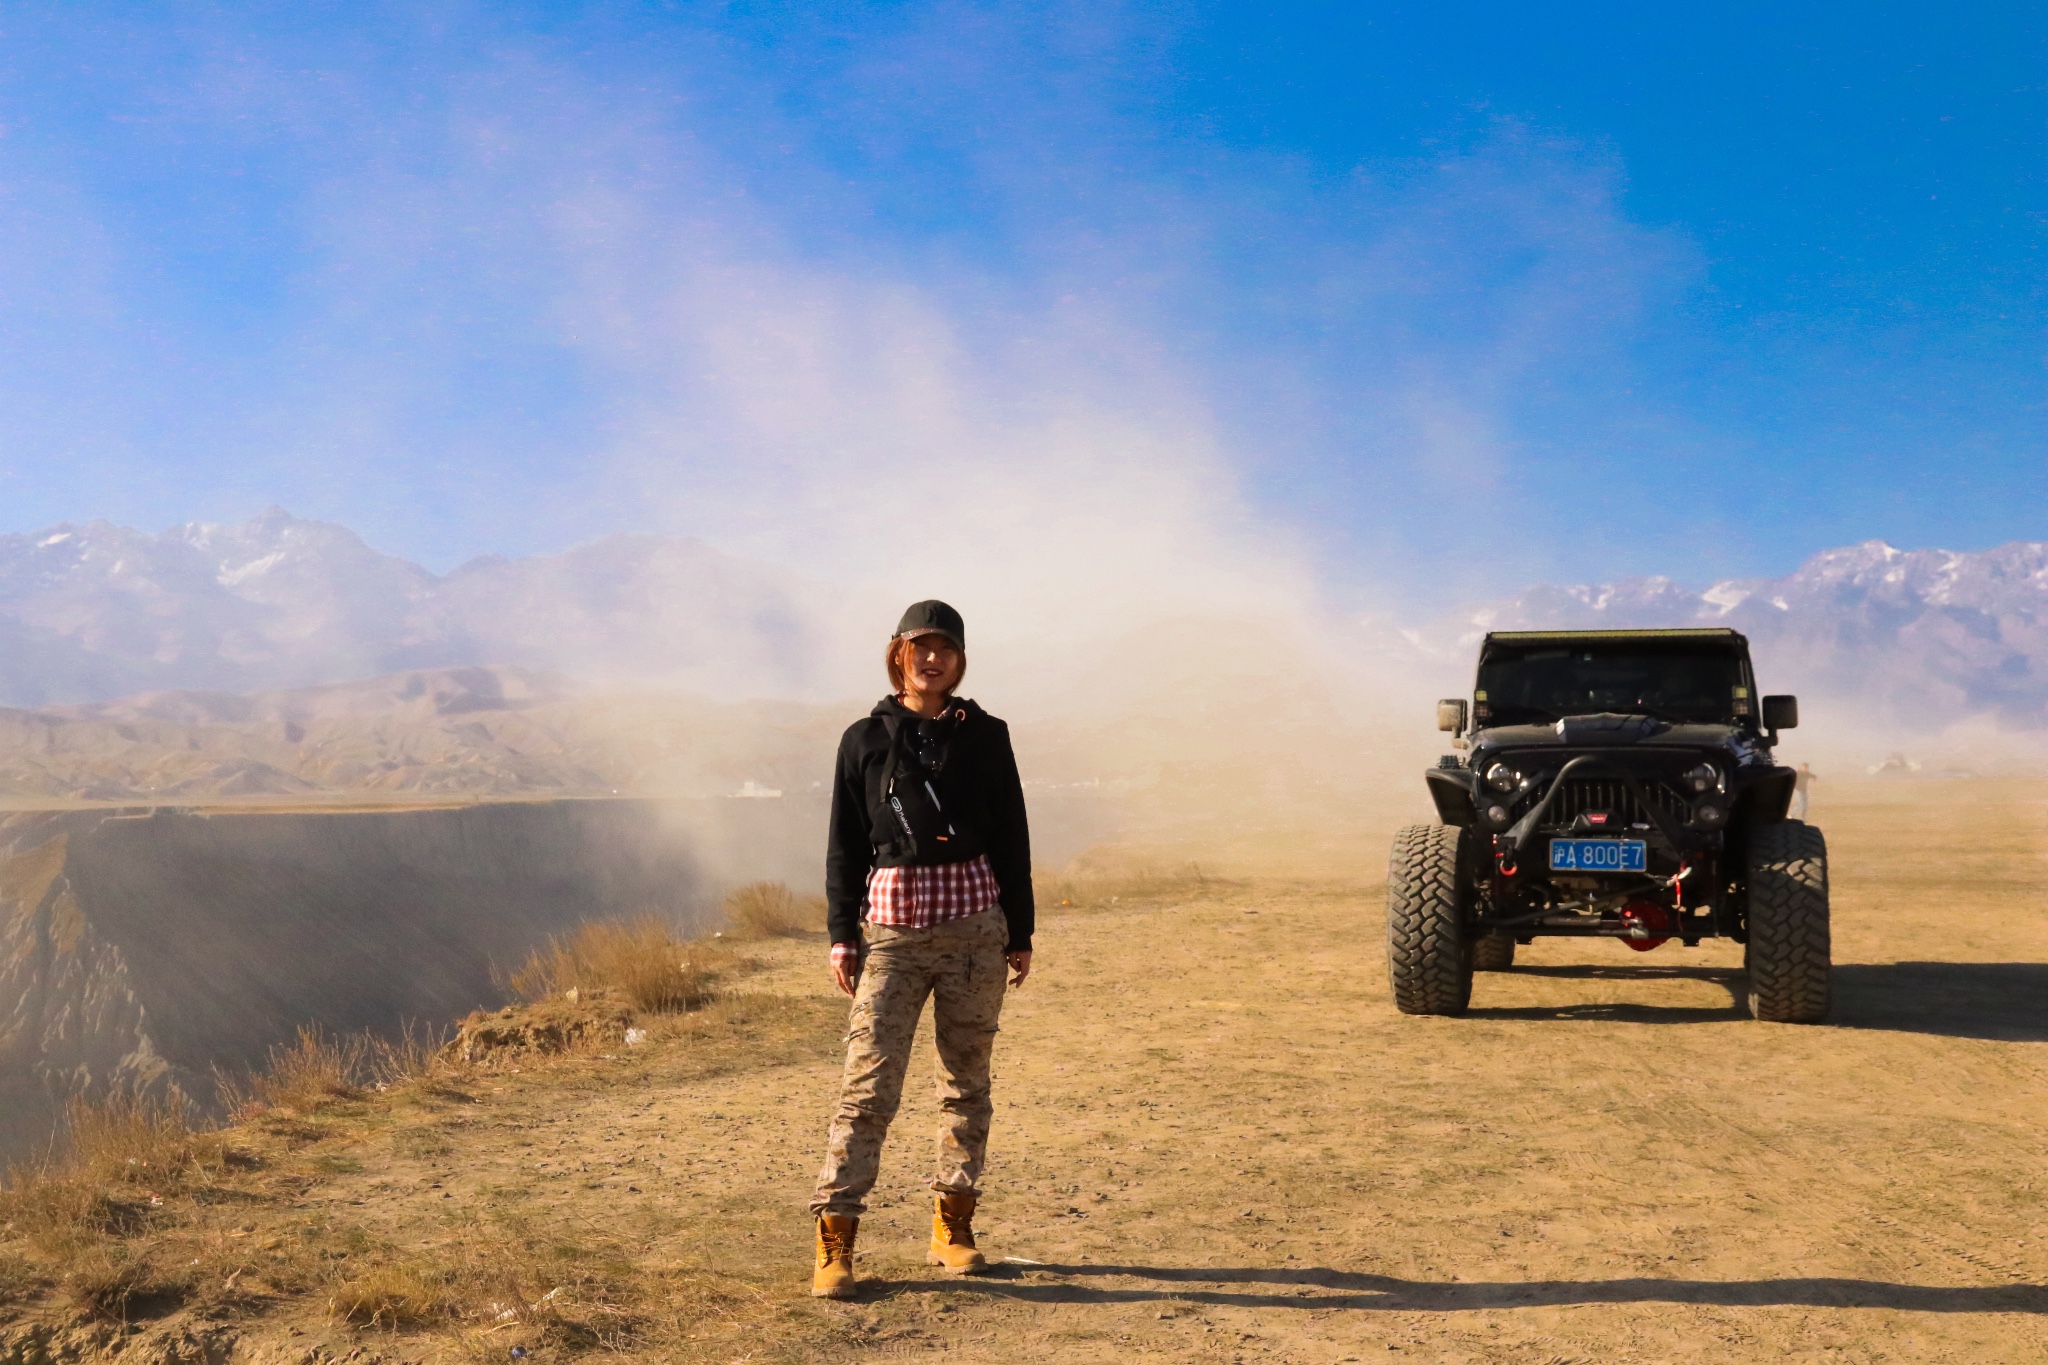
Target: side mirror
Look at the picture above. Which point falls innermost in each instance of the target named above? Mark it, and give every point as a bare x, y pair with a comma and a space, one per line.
1450, 715
1781, 713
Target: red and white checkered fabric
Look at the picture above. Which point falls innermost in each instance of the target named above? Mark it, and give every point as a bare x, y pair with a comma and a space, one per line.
919, 897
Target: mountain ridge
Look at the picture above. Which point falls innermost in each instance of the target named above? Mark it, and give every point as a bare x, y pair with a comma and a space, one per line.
94, 612
1928, 635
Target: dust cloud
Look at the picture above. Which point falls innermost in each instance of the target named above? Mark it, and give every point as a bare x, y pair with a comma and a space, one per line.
1165, 653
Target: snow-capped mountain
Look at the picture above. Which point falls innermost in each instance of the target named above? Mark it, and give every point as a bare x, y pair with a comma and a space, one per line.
93, 612
90, 612
1925, 636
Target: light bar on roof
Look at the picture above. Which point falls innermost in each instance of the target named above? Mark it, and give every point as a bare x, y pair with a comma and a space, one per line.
1670, 633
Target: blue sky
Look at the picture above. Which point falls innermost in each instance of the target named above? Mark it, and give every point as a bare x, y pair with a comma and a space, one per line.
1439, 299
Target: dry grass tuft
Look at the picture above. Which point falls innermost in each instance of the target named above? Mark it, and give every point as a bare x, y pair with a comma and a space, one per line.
393, 1297
558, 1285
112, 1218
417, 1054
314, 1071
121, 1281
640, 963
140, 1215
137, 1141
17, 1278
772, 910
86, 1209
318, 1070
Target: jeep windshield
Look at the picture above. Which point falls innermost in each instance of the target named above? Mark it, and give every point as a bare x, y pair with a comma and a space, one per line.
1683, 681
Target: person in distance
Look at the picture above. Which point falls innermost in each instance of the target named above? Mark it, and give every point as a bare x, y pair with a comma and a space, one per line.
928, 889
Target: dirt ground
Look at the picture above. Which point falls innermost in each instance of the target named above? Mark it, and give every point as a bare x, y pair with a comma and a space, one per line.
1216, 1141
1221, 1143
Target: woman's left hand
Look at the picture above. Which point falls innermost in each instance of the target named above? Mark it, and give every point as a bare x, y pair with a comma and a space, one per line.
1020, 963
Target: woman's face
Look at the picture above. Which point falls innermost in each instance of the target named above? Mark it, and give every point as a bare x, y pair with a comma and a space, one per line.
934, 666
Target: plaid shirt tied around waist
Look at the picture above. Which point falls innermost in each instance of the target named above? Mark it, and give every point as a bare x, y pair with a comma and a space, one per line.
920, 897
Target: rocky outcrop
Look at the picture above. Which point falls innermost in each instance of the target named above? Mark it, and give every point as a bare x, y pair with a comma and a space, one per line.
545, 1026
73, 1024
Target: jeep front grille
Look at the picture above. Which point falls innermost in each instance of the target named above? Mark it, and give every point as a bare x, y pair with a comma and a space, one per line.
1579, 795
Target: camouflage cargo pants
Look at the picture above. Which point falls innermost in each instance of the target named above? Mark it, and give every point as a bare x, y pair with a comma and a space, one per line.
960, 966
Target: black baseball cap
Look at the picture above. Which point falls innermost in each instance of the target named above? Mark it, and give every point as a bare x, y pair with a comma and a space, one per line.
933, 617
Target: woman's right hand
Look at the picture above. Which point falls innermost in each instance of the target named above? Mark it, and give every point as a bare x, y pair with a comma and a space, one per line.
845, 967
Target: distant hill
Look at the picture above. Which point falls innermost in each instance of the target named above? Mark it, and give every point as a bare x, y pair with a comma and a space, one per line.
453, 732
97, 611
1921, 636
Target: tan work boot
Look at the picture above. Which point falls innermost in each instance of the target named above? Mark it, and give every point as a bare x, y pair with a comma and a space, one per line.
833, 1279
953, 1236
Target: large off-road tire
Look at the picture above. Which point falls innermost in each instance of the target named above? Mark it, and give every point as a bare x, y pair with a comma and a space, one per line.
1788, 952
1493, 952
1429, 963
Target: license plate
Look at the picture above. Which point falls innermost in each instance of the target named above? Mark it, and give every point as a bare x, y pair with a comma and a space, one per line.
1597, 855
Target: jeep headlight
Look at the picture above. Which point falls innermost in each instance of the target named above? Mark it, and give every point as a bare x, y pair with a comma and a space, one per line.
1502, 778
1704, 778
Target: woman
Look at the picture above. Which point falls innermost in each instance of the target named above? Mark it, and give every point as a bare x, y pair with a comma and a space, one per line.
929, 862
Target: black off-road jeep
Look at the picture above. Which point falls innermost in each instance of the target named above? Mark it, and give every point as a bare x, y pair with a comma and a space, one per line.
1616, 784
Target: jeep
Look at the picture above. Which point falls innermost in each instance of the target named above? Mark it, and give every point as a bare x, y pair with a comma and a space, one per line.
1612, 784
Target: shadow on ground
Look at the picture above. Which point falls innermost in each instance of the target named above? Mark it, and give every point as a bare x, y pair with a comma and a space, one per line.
2005, 1001
1630, 1012
1319, 1289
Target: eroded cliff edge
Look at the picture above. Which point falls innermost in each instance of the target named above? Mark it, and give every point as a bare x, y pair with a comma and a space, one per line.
147, 947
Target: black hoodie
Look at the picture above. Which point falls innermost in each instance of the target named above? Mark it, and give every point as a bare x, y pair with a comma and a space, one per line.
981, 809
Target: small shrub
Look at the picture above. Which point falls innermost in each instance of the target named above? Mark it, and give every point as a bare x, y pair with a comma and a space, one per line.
641, 963
772, 910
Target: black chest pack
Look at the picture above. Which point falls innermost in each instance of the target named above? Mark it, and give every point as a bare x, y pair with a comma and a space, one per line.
921, 829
